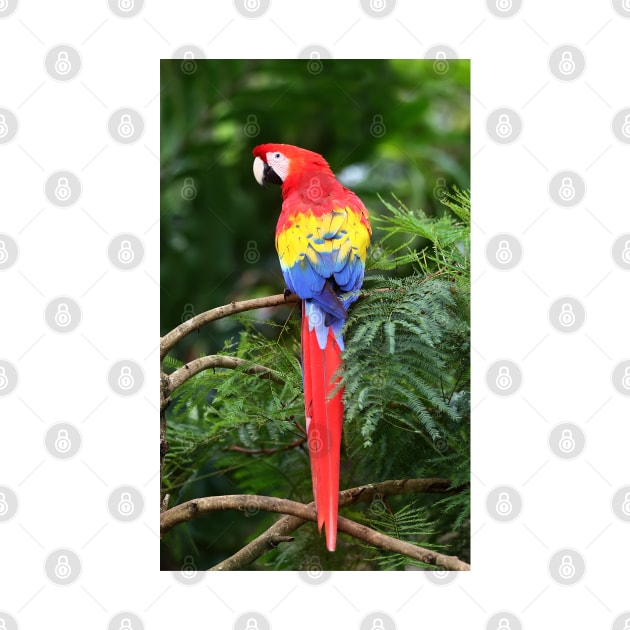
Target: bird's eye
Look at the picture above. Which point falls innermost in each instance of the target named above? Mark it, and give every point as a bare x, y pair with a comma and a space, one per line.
277, 155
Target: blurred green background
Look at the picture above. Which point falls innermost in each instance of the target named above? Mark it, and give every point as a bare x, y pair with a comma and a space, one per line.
385, 126
400, 127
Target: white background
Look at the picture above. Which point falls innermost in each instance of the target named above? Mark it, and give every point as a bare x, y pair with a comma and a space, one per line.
63, 252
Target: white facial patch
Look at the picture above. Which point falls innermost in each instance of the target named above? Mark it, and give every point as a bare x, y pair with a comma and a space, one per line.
279, 163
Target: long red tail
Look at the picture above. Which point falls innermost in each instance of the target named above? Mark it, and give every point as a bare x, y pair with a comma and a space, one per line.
324, 419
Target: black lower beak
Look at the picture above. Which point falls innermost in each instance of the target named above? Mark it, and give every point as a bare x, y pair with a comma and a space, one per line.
269, 175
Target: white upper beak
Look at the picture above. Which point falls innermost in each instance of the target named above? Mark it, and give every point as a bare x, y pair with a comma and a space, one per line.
259, 169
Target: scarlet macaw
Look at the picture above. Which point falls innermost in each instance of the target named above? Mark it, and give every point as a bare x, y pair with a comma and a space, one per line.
322, 237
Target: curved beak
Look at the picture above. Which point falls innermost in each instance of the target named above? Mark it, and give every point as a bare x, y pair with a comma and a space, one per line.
259, 171
264, 173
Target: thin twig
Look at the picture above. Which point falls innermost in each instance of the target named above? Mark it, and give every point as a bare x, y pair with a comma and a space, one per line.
268, 451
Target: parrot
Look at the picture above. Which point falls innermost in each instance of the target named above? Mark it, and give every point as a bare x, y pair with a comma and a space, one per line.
322, 237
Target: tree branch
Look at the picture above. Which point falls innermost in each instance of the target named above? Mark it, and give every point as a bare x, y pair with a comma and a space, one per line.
194, 323
254, 503
300, 513
288, 524
191, 368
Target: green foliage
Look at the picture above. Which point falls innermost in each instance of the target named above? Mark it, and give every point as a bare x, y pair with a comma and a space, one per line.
409, 523
407, 399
